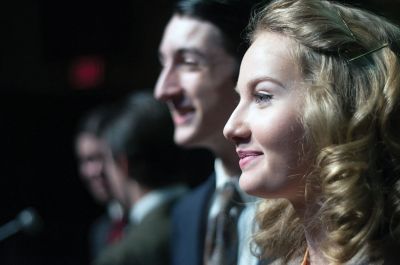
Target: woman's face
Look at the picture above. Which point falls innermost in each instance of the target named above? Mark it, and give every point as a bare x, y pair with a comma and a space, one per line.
265, 125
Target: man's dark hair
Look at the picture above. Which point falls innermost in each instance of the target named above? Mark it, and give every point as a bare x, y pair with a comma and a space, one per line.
229, 16
142, 130
93, 122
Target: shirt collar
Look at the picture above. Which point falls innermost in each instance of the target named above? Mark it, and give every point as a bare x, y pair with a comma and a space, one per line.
152, 200
115, 211
221, 178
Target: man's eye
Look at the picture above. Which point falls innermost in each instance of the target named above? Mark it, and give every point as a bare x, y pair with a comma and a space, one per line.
262, 97
190, 62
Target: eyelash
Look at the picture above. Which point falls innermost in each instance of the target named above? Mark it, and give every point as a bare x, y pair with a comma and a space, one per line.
262, 98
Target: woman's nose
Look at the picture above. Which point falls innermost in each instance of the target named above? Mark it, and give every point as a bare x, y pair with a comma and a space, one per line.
236, 128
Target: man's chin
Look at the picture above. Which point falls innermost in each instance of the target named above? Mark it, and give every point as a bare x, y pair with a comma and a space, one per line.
184, 136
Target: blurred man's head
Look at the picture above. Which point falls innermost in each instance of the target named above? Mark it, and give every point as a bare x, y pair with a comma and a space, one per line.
141, 147
90, 155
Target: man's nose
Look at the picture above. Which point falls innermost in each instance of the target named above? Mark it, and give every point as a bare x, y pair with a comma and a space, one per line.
167, 86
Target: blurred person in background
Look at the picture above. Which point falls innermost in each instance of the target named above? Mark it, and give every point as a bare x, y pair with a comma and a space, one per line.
90, 155
141, 165
200, 53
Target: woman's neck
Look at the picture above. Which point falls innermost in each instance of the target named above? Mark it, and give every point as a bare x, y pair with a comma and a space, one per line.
314, 237
313, 231
315, 256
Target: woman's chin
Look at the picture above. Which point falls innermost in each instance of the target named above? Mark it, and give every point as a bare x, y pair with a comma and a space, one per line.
248, 186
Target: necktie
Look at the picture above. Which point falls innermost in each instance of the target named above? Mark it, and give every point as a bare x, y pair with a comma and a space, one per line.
221, 246
116, 231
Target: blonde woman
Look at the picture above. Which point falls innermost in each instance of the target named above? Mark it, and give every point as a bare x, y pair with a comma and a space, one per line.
317, 131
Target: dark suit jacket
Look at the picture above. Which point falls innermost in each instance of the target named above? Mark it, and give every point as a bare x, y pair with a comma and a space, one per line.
98, 235
189, 221
144, 244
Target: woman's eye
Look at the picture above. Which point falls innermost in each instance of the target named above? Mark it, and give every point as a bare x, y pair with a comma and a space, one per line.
262, 97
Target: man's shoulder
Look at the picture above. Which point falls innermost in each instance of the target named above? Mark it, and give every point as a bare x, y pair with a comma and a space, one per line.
100, 223
198, 195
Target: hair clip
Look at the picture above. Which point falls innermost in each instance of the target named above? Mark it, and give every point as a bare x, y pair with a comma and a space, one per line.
355, 39
368, 52
347, 26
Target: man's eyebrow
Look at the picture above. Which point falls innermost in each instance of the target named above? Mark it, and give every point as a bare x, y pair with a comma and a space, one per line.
182, 52
193, 51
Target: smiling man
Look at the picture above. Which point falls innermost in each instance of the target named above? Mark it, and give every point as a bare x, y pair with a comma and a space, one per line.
200, 53
197, 82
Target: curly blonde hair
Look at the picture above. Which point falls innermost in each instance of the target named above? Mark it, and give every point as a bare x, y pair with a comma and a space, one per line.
350, 59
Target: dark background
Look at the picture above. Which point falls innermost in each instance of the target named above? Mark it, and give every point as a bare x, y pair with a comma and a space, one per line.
58, 60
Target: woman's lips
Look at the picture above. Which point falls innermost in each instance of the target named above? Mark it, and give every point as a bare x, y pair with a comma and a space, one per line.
247, 157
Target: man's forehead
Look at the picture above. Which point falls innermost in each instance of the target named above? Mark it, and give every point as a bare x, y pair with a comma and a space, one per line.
188, 33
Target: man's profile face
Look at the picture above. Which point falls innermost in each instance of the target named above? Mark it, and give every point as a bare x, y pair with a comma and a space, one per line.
197, 81
89, 151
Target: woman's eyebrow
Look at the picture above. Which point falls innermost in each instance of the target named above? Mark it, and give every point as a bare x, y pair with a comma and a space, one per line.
266, 78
